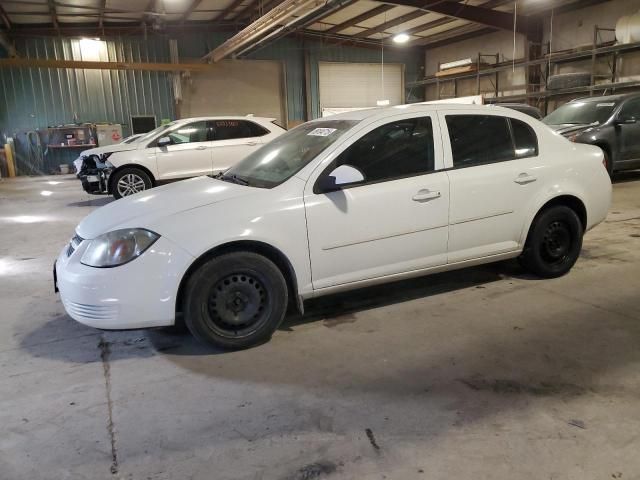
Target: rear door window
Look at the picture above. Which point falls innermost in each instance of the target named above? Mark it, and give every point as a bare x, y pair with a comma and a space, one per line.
479, 139
525, 139
235, 129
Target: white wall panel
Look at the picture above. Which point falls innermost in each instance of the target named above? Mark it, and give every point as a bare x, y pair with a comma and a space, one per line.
345, 85
236, 87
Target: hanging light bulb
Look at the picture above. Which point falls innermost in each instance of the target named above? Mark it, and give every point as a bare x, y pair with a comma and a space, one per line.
401, 38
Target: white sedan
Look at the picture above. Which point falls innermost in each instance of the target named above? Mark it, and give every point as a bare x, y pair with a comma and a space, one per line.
362, 198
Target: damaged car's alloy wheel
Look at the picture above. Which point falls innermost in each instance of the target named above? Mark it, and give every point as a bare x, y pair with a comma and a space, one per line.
129, 181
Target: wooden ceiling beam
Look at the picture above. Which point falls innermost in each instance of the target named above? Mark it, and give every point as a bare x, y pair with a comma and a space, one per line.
113, 28
88, 65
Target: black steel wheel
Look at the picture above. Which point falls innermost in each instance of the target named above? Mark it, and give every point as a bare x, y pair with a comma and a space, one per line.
236, 300
554, 242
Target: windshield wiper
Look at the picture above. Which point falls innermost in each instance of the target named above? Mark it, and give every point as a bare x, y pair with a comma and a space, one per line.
232, 178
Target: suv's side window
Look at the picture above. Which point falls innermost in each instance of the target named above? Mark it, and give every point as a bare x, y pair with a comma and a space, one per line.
257, 130
399, 149
190, 133
525, 139
234, 129
478, 139
631, 109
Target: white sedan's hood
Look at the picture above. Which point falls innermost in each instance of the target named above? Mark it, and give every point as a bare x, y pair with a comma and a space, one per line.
140, 210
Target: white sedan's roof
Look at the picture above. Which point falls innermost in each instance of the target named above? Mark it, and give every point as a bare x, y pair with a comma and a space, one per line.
382, 112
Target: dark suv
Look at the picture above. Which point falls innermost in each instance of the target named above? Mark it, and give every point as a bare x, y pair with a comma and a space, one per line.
612, 123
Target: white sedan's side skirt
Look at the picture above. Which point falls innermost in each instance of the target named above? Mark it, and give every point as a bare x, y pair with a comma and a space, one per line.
411, 274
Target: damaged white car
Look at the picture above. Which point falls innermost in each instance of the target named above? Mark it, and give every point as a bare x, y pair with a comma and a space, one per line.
181, 149
78, 163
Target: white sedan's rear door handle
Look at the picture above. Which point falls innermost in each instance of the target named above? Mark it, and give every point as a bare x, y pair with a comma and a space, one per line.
424, 195
201, 147
251, 144
525, 178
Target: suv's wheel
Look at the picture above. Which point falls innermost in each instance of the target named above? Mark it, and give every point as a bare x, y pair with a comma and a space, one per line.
554, 242
236, 300
128, 181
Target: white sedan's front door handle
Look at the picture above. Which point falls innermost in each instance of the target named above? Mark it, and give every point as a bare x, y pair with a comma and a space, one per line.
424, 195
525, 178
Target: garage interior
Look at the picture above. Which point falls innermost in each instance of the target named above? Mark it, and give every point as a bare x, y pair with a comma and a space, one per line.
487, 372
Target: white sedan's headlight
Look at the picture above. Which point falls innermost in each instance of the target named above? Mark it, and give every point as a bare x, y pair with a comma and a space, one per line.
118, 247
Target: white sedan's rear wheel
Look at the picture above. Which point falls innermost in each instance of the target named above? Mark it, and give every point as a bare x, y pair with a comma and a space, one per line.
554, 242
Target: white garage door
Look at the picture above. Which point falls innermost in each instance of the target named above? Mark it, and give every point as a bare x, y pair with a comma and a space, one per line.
359, 85
236, 87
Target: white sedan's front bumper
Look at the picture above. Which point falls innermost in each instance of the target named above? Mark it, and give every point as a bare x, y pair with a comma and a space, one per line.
138, 294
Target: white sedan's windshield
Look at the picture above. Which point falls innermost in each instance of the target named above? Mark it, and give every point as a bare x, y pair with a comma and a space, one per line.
283, 157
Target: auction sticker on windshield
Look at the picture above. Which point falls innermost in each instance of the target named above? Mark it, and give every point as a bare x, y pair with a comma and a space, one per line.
321, 132
605, 105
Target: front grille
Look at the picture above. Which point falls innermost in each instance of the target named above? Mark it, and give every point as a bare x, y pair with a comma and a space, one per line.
75, 242
80, 311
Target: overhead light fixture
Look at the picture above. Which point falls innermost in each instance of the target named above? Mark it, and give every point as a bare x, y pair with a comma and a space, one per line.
401, 38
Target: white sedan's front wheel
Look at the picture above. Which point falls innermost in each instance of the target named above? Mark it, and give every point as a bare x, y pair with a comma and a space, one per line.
129, 181
236, 300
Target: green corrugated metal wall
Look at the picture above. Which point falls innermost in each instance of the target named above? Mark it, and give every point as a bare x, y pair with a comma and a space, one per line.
34, 98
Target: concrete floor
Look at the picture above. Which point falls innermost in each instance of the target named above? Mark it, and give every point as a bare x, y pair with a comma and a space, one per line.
485, 373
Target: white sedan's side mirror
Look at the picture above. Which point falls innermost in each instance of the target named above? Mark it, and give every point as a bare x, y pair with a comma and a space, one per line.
339, 177
164, 141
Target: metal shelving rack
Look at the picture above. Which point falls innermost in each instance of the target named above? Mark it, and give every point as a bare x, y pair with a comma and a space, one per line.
546, 65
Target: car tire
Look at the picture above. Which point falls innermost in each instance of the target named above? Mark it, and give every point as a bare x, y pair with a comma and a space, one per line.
128, 181
554, 242
235, 301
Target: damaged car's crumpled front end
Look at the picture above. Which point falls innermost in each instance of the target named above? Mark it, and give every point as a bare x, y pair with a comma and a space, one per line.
94, 173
